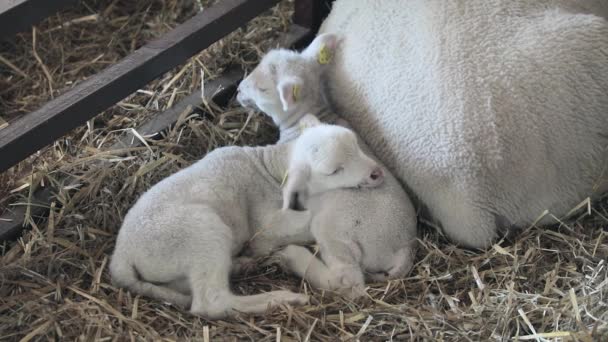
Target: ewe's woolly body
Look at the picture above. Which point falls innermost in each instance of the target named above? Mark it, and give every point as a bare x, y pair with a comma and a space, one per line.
491, 116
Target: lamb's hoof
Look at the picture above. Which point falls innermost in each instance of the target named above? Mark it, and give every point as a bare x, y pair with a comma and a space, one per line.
214, 314
349, 281
348, 276
353, 293
292, 298
286, 256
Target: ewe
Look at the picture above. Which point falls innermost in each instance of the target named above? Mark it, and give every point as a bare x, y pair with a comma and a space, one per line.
492, 111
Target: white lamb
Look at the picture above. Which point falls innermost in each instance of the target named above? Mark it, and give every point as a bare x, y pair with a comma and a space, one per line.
178, 241
492, 111
369, 231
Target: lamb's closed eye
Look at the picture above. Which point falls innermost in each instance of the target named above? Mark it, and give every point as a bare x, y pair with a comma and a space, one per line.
337, 171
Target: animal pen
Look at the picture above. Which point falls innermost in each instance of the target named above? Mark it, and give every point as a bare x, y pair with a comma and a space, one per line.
68, 176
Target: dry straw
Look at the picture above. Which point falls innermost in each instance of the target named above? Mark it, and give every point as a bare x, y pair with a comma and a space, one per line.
546, 284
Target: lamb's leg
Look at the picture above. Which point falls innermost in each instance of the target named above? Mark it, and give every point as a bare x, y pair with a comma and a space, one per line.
306, 265
211, 295
213, 299
161, 292
344, 273
284, 227
124, 275
401, 264
181, 285
403, 261
343, 258
260, 303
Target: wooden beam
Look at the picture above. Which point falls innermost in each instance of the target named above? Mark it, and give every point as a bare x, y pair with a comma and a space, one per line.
12, 221
311, 13
296, 37
3, 123
218, 90
57, 117
20, 15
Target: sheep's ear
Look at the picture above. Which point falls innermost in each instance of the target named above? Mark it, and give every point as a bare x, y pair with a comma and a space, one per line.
297, 178
322, 48
308, 121
289, 92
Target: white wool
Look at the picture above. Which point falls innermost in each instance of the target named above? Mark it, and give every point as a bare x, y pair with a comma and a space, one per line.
491, 111
366, 233
179, 240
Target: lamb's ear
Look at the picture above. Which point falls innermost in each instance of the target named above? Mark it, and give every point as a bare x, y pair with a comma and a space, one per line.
322, 48
308, 121
289, 92
296, 181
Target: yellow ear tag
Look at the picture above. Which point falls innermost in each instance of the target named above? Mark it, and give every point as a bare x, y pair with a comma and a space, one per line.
296, 92
324, 56
284, 178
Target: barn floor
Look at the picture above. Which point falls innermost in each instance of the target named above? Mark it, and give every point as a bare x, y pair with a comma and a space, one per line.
54, 283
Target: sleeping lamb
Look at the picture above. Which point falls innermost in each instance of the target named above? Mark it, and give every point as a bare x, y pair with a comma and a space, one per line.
178, 241
366, 230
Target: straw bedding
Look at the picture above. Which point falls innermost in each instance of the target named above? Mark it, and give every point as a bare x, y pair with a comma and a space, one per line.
54, 283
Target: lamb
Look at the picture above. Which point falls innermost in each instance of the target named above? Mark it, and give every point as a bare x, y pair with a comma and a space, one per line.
178, 242
367, 234
492, 111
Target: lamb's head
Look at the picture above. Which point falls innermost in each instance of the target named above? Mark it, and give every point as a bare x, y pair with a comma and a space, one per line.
288, 82
327, 157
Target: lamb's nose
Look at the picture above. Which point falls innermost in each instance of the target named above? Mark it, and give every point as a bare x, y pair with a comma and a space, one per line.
376, 174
